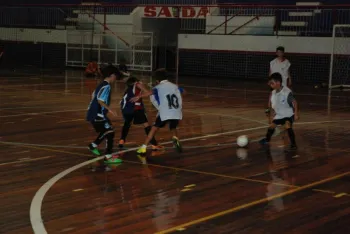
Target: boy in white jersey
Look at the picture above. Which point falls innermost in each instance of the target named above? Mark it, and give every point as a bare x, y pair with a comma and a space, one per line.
285, 107
166, 97
281, 65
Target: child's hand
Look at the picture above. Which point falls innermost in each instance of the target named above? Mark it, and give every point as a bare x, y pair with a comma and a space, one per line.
296, 117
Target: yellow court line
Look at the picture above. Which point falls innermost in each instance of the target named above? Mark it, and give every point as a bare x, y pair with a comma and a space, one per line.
177, 169
250, 204
24, 161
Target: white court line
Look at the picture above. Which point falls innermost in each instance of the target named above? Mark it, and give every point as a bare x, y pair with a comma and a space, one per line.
36, 204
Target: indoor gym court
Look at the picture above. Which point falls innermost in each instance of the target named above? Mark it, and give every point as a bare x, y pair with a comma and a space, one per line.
50, 182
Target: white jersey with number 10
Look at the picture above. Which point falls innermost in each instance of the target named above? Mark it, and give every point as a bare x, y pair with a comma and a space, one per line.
167, 99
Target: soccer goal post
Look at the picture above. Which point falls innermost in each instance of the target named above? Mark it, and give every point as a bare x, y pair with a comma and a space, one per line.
339, 72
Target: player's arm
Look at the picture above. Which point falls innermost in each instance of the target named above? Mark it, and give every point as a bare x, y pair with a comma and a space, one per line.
296, 109
182, 91
143, 94
289, 78
268, 111
270, 68
155, 98
293, 102
144, 91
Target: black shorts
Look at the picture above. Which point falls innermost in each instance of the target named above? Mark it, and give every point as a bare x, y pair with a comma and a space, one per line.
173, 123
102, 125
139, 117
283, 121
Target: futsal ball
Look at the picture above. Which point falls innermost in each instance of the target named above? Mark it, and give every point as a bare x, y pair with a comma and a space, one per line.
242, 141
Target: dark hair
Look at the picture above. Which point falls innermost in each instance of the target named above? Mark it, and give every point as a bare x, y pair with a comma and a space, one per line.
131, 81
160, 74
110, 70
276, 77
280, 48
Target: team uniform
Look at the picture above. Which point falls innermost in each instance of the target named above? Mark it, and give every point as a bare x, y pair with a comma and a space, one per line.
281, 67
97, 116
167, 99
282, 104
133, 112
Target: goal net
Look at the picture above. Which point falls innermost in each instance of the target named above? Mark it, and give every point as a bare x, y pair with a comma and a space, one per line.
339, 76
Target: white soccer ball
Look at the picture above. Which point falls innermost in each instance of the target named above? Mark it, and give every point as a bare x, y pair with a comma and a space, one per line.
242, 141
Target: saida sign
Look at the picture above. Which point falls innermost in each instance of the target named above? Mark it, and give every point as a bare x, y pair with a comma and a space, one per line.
176, 12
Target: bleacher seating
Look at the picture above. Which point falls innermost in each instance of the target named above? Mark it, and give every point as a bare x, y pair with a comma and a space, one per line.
306, 21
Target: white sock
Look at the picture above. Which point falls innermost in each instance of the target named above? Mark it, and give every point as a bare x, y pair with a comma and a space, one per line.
144, 146
108, 156
93, 145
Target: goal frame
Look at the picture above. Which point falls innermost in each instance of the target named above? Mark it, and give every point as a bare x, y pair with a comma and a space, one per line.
330, 86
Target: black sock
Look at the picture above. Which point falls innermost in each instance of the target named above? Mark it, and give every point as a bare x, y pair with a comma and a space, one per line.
99, 138
110, 141
153, 141
125, 130
291, 136
269, 134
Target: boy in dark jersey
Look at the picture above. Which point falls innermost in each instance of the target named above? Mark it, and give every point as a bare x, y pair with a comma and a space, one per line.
134, 111
97, 114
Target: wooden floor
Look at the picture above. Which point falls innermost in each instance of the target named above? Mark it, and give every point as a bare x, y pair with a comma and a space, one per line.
213, 187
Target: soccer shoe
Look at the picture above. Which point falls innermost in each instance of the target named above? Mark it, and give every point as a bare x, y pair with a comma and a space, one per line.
177, 144
157, 147
121, 144
94, 150
263, 142
142, 150
109, 159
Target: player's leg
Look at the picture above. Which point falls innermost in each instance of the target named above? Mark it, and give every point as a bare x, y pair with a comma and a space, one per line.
270, 132
141, 118
109, 135
128, 118
93, 146
291, 134
106, 132
173, 128
158, 124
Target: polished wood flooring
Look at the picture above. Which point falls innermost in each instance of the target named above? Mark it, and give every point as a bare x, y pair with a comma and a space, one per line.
212, 187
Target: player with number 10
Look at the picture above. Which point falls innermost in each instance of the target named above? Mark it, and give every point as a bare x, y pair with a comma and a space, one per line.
166, 97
